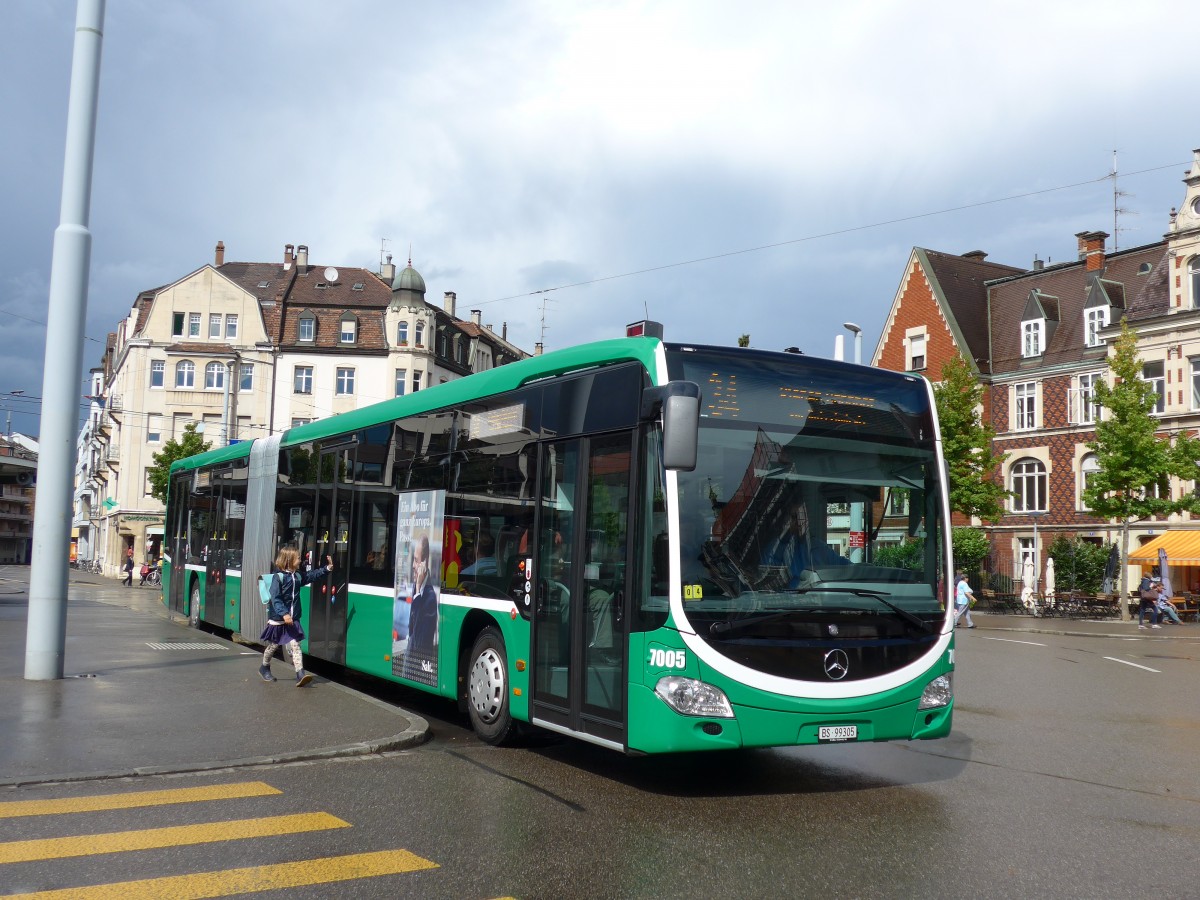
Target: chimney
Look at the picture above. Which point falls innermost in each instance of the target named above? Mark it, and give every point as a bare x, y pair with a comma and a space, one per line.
537, 349
387, 271
220, 254
504, 331
288, 256
977, 255
1038, 265
477, 317
302, 259
448, 299
1091, 248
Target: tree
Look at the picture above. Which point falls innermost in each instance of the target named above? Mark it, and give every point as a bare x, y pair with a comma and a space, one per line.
1078, 565
967, 444
744, 340
1135, 463
189, 444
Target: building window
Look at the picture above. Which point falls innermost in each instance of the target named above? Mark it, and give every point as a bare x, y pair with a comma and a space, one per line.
303, 380
1028, 556
296, 422
153, 428
1195, 361
441, 344
916, 353
1031, 337
349, 330
194, 325
185, 374
402, 334
246, 377
179, 424
1085, 409
416, 382
1026, 397
230, 327
401, 381
1028, 486
1094, 319
345, 381
307, 329
1152, 374
1194, 281
214, 376
420, 335
158, 370
214, 326
177, 325
1088, 467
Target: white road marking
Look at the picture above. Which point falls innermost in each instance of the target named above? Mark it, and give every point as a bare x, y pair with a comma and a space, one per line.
1010, 641
1135, 665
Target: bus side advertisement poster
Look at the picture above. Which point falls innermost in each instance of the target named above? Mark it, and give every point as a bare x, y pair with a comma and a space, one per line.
419, 530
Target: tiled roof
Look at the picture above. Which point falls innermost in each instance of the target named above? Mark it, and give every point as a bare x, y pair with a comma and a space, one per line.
1070, 284
962, 281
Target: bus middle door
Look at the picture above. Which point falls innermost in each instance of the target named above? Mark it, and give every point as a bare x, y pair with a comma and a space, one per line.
579, 637
325, 616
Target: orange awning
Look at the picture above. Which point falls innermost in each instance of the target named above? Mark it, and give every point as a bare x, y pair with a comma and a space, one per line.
1183, 548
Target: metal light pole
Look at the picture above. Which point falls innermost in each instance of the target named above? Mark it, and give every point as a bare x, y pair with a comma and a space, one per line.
46, 628
857, 332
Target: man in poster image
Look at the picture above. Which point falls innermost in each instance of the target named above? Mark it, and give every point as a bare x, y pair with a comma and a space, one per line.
420, 657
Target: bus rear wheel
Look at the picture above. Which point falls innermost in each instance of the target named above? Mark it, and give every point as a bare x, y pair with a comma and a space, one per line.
487, 688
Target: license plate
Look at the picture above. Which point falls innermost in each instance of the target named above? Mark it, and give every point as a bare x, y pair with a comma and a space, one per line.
832, 733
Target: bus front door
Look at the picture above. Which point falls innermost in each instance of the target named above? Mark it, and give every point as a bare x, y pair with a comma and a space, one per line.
579, 636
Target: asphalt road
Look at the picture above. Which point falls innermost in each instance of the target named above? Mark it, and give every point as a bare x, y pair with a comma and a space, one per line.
1071, 772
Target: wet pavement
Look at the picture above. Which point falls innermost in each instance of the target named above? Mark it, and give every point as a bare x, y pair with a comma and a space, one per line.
145, 694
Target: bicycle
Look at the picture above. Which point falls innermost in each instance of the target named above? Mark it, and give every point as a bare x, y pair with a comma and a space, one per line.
154, 576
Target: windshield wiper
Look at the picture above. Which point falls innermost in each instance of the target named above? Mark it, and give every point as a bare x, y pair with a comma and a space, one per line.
726, 627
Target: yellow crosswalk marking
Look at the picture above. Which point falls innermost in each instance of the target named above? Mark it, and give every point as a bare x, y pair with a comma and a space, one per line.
15, 808
226, 883
155, 838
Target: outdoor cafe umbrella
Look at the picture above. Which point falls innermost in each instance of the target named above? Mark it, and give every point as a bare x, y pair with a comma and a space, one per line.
1110, 570
1162, 571
1048, 588
1027, 585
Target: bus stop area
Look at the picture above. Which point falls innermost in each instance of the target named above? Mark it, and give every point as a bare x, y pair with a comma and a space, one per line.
144, 694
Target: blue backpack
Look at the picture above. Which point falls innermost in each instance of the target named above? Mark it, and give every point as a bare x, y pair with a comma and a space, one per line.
264, 588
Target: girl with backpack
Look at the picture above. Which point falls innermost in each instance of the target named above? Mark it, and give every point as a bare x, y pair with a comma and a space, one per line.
284, 611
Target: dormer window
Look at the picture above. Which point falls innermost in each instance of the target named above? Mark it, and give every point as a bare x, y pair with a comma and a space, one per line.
348, 333
306, 328
1033, 334
1194, 281
1094, 319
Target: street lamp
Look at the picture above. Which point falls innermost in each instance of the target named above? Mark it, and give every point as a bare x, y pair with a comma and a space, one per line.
857, 332
1037, 549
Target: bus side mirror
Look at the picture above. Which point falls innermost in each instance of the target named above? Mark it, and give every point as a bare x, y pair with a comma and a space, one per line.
679, 402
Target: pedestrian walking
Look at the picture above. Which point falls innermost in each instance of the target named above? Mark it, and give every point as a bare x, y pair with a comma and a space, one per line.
284, 612
1149, 603
963, 595
128, 567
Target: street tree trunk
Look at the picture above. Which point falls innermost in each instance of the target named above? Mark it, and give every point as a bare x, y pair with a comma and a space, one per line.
1122, 596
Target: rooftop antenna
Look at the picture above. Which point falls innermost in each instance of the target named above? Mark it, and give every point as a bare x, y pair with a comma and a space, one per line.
1118, 210
382, 251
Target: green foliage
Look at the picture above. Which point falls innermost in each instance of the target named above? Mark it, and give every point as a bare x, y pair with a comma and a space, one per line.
744, 340
901, 556
1133, 460
967, 444
1078, 564
189, 444
971, 548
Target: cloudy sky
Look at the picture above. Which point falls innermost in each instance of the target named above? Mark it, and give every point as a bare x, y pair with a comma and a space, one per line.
761, 167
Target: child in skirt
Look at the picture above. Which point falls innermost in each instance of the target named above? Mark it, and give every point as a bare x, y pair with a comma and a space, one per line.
284, 610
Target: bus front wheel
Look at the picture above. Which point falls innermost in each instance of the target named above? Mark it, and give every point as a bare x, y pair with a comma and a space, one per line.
487, 688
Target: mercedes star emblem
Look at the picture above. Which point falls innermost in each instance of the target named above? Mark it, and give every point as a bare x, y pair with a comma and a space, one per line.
837, 664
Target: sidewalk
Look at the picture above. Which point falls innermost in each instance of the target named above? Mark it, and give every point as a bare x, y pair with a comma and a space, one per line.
143, 694
1108, 628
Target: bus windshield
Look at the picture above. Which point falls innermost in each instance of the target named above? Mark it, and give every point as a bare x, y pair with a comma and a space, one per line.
816, 502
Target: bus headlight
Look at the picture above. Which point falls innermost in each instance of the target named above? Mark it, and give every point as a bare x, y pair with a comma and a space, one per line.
693, 698
938, 692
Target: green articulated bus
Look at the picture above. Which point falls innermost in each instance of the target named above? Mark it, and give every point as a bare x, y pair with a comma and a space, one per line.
650, 546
